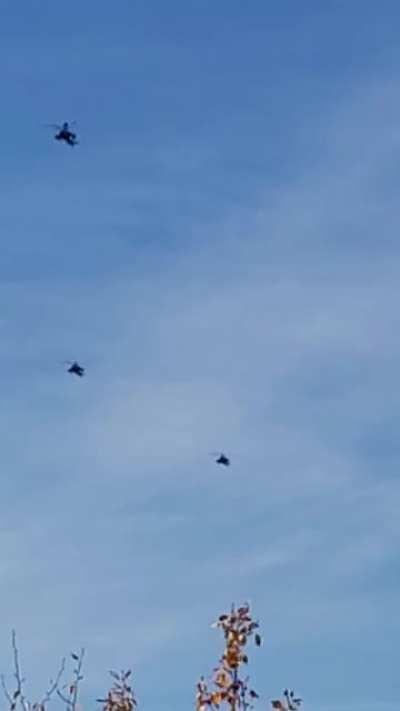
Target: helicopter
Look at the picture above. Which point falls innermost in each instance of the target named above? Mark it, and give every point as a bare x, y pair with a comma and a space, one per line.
221, 458
64, 133
75, 368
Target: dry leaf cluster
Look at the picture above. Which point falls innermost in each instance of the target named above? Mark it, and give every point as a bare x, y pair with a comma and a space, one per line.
227, 687
121, 696
288, 703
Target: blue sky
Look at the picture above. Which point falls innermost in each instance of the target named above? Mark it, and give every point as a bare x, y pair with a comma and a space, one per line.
221, 252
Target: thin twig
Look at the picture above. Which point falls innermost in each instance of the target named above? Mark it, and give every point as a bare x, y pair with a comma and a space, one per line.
19, 693
6, 692
77, 679
53, 685
72, 699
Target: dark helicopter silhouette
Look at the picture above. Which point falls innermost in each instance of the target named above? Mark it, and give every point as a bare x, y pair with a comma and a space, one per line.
75, 368
222, 458
64, 133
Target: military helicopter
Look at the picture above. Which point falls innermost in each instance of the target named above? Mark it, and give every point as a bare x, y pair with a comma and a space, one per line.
75, 368
64, 133
221, 458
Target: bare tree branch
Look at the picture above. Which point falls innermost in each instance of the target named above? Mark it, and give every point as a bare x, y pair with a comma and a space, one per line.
53, 686
18, 694
6, 692
71, 699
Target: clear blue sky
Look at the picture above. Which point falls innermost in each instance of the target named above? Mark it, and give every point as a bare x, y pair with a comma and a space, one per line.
222, 252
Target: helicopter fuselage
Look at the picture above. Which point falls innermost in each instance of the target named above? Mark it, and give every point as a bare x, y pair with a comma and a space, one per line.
67, 136
222, 459
76, 369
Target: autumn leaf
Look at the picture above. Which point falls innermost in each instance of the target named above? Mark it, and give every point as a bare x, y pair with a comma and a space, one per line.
222, 679
216, 698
